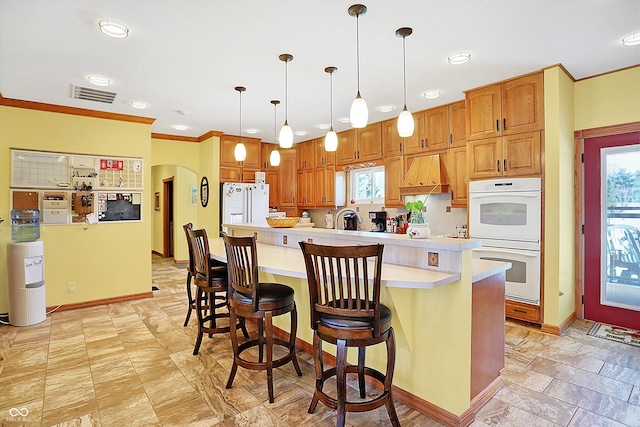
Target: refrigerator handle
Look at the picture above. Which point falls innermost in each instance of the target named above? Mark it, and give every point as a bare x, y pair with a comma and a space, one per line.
249, 205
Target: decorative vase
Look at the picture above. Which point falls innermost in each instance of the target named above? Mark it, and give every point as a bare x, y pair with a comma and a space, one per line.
418, 230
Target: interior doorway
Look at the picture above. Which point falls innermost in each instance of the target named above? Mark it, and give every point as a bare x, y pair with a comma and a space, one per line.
612, 229
167, 217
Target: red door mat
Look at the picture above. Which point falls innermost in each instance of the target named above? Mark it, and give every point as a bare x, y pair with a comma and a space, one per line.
616, 333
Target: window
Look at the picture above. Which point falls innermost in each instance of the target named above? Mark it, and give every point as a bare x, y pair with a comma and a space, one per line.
367, 185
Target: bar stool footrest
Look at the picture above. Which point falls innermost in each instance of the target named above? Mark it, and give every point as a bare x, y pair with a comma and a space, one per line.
248, 364
362, 406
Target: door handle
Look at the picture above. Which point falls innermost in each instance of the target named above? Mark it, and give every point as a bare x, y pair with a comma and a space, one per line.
498, 165
504, 123
504, 162
497, 125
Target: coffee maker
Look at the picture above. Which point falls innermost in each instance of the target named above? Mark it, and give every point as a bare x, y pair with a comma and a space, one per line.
378, 221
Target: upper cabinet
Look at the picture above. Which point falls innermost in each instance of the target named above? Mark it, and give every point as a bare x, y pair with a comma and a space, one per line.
512, 155
360, 145
391, 141
436, 128
506, 108
324, 157
457, 125
305, 153
265, 156
227, 155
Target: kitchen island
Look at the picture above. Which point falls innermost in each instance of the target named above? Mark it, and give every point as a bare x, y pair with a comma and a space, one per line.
448, 312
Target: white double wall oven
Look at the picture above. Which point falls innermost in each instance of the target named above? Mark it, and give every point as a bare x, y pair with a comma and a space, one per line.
506, 214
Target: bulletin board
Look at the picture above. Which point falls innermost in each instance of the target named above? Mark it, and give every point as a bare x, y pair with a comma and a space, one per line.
119, 207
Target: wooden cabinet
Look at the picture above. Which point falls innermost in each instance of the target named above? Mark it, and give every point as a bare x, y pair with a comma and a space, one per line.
514, 155
324, 157
265, 156
393, 177
271, 178
324, 191
305, 186
233, 174
360, 145
458, 176
391, 141
232, 171
457, 125
506, 108
415, 143
436, 128
305, 152
287, 180
522, 311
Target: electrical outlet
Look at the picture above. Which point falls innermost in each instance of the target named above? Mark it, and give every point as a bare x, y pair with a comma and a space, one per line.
71, 287
404, 358
448, 208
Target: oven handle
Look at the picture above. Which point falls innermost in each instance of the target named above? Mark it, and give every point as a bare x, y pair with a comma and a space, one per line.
511, 194
531, 254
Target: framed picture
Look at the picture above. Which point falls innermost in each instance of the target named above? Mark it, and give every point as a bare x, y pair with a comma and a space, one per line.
157, 201
194, 195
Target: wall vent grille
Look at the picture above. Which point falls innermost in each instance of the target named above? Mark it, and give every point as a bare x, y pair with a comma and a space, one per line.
89, 94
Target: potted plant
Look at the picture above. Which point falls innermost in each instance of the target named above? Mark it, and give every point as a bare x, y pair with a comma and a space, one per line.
418, 229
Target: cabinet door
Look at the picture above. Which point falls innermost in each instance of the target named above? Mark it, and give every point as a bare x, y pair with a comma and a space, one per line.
230, 174
458, 180
323, 157
324, 193
271, 178
253, 153
266, 149
437, 128
370, 142
248, 175
484, 158
391, 141
521, 154
227, 147
523, 104
457, 126
393, 176
347, 147
415, 144
287, 178
482, 107
305, 183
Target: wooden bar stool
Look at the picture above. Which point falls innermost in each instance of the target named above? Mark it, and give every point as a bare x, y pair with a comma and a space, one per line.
252, 299
190, 274
346, 311
212, 290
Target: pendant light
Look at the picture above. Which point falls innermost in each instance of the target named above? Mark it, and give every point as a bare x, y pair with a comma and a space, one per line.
240, 152
331, 139
274, 158
405, 119
359, 112
286, 134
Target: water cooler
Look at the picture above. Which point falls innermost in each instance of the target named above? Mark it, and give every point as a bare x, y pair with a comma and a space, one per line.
25, 267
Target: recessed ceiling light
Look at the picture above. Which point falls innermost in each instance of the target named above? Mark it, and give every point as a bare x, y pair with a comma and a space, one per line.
113, 29
344, 120
99, 81
632, 39
180, 127
252, 131
459, 58
323, 126
385, 108
139, 105
301, 132
432, 94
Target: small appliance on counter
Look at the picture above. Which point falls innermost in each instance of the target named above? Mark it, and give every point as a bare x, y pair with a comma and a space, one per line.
378, 221
350, 220
328, 220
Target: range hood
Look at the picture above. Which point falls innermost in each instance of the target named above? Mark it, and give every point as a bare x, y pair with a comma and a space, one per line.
425, 173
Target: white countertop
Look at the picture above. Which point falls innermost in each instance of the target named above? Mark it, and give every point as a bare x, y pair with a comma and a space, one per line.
288, 261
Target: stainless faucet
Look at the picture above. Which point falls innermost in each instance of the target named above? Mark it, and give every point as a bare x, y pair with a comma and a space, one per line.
343, 211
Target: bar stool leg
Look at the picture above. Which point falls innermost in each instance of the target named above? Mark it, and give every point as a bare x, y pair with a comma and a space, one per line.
189, 298
341, 362
269, 333
260, 340
234, 345
292, 339
196, 349
391, 361
361, 357
318, 363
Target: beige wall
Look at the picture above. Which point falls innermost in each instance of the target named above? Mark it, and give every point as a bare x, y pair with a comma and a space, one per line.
106, 260
606, 100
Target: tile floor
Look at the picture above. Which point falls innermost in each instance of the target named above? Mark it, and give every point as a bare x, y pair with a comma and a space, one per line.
131, 364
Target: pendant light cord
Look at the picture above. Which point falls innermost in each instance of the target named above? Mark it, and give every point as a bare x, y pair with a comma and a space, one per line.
275, 122
358, 49
331, 98
404, 71
286, 92
240, 130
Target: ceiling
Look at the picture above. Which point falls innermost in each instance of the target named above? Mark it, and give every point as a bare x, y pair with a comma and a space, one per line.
184, 57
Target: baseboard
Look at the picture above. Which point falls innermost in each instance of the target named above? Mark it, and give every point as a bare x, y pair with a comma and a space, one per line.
558, 330
94, 303
433, 411
157, 253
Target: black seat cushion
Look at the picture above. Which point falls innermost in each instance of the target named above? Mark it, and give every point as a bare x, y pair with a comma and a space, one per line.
269, 293
355, 322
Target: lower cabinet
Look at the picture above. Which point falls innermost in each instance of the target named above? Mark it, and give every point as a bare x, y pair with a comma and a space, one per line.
522, 311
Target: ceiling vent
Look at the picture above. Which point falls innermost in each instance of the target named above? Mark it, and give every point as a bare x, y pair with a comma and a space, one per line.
89, 94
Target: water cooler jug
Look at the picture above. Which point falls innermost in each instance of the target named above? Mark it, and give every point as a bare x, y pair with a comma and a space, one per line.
27, 299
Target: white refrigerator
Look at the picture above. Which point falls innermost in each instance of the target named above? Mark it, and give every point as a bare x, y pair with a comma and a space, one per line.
244, 203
